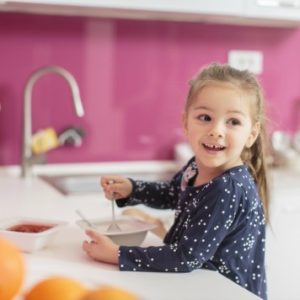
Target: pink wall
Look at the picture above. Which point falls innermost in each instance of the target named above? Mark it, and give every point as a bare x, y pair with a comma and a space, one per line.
133, 79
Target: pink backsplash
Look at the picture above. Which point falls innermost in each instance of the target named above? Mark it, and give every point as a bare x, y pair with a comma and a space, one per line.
133, 79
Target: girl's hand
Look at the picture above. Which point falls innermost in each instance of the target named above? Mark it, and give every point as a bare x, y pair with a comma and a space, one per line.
101, 248
116, 187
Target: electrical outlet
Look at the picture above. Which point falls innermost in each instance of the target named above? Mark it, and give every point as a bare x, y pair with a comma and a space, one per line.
246, 60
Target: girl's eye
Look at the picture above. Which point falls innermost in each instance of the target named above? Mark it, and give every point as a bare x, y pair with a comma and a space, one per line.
204, 118
234, 122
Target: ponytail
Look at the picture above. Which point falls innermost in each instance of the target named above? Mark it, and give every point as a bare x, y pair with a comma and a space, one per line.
255, 159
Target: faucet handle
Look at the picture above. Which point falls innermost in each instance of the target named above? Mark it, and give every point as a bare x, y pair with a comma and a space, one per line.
71, 136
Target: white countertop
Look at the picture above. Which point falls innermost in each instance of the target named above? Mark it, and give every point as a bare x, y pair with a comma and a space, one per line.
35, 198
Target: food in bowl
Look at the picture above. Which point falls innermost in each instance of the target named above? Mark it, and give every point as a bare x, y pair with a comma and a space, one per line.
28, 227
133, 231
30, 234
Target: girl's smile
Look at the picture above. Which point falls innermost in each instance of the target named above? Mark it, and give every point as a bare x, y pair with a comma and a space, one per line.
213, 148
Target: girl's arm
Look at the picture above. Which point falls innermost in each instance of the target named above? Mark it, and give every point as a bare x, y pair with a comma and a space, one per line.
199, 237
197, 244
156, 194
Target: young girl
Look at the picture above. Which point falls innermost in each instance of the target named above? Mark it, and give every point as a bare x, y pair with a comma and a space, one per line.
220, 196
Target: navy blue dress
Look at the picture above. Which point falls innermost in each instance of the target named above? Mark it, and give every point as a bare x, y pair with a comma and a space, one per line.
219, 226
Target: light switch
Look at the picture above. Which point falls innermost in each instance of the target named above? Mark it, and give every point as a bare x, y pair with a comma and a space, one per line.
246, 60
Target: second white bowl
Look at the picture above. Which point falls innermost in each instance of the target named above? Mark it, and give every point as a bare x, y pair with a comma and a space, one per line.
133, 231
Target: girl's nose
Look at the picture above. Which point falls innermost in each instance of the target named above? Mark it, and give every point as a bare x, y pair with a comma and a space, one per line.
216, 130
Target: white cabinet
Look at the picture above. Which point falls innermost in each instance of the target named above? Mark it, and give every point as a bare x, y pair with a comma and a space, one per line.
273, 11
187, 10
257, 12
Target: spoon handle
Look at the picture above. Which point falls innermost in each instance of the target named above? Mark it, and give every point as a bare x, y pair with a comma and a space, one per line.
113, 225
113, 205
113, 211
84, 219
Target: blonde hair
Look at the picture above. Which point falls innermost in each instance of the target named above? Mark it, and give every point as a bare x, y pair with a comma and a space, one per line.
255, 156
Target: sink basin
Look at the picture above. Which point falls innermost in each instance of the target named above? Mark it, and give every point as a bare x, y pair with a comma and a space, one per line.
81, 179
75, 184
89, 183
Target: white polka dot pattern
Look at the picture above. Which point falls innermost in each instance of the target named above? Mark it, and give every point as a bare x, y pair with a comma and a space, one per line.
219, 226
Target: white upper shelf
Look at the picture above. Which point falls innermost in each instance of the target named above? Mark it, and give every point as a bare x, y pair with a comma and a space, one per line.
249, 12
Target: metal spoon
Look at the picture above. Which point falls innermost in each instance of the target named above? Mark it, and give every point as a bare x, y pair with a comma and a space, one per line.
85, 220
113, 226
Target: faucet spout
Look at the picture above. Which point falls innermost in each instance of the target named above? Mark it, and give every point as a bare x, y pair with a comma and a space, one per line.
27, 118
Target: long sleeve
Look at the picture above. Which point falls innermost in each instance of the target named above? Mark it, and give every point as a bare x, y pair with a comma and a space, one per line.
199, 236
156, 194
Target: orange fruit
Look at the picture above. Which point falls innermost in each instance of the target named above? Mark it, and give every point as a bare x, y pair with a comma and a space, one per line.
109, 293
12, 270
56, 288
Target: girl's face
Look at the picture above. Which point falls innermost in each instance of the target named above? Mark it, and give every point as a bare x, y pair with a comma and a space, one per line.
218, 125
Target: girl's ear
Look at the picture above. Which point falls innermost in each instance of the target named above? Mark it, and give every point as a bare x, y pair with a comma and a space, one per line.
184, 122
253, 135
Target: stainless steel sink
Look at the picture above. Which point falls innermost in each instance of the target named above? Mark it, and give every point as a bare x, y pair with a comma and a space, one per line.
80, 184
74, 184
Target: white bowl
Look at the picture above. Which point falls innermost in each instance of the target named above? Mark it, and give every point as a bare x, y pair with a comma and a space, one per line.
30, 241
133, 231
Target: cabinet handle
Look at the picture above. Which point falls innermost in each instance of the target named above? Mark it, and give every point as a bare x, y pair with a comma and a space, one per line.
279, 3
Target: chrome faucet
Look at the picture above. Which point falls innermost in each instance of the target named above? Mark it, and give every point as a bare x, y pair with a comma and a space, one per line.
27, 157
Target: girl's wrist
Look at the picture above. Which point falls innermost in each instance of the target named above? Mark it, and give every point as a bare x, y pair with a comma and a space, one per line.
114, 257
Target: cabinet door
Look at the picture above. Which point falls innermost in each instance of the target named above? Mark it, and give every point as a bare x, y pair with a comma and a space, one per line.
211, 7
277, 10
159, 9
